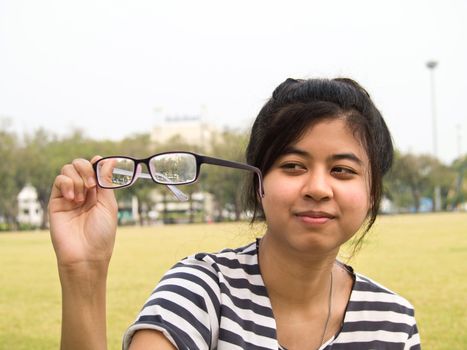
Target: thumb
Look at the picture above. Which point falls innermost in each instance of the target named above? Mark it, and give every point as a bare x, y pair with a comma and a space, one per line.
106, 196
95, 159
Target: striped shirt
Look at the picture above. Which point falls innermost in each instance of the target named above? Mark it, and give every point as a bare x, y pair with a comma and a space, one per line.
219, 301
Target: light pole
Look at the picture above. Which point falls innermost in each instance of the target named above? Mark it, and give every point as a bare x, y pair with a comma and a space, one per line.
459, 141
431, 65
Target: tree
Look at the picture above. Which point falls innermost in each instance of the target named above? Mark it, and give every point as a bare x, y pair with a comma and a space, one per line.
444, 177
11, 179
396, 186
417, 175
458, 194
226, 183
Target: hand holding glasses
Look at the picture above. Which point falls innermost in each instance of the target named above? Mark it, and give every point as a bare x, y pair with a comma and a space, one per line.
168, 168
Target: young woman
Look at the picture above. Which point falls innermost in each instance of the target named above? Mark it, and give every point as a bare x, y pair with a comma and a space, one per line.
323, 148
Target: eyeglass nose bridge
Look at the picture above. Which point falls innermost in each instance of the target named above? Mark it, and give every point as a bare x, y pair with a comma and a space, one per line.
137, 173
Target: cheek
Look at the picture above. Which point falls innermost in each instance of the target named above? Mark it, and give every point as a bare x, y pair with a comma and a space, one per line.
354, 206
357, 201
277, 193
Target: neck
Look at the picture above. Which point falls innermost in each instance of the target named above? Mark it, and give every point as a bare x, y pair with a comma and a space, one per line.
295, 279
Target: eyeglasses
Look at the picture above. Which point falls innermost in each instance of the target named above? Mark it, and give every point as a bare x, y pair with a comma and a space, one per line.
168, 168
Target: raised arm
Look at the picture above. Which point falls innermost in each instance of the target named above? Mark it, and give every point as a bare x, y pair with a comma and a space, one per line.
83, 221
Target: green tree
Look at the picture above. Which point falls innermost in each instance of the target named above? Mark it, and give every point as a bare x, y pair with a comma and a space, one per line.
11, 179
40, 166
441, 176
395, 185
415, 176
458, 193
226, 183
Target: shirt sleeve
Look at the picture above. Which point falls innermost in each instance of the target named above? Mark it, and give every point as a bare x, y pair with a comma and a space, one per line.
184, 306
413, 342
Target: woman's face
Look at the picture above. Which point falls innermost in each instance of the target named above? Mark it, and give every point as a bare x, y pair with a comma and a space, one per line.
317, 193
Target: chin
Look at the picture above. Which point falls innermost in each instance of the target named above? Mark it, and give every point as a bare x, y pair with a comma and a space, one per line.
308, 244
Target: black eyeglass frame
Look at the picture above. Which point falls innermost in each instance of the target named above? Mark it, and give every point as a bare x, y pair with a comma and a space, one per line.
200, 159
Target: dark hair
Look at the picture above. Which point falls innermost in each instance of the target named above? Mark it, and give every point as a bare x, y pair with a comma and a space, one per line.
297, 104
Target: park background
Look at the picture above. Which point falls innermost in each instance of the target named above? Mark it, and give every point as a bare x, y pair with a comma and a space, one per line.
120, 77
421, 256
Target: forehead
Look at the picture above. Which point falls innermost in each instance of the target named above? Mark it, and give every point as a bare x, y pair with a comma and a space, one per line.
331, 136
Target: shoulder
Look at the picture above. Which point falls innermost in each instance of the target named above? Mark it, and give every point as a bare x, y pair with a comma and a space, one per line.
208, 271
228, 256
377, 316
238, 262
369, 293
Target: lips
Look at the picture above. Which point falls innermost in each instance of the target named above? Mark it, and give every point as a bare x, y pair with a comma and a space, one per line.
315, 217
315, 214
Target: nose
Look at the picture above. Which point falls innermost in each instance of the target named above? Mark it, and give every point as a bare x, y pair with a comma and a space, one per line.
317, 186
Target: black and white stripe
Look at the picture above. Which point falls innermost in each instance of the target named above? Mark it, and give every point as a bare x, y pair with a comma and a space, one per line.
219, 301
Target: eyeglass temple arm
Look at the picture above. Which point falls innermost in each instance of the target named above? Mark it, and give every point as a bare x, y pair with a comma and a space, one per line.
231, 164
176, 192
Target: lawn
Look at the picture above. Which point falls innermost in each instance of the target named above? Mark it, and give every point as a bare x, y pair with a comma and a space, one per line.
423, 257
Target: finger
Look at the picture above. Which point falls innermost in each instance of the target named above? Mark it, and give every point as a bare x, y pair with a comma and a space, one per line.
63, 195
63, 188
106, 171
86, 171
71, 172
95, 159
107, 196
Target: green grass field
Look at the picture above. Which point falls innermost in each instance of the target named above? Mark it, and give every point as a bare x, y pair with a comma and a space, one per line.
422, 257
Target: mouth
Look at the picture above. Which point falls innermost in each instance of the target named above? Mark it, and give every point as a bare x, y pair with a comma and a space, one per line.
315, 217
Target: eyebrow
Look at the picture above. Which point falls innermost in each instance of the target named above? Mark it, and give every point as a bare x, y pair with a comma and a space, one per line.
294, 150
347, 156
339, 156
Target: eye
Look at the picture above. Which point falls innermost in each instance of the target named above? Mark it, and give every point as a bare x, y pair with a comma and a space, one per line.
343, 172
293, 167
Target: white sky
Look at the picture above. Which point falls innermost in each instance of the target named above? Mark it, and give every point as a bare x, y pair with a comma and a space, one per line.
118, 67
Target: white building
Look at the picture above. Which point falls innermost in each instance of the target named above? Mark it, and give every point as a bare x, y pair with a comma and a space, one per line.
190, 128
29, 209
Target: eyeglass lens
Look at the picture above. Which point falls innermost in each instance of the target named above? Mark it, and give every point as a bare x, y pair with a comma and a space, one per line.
173, 168
115, 172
